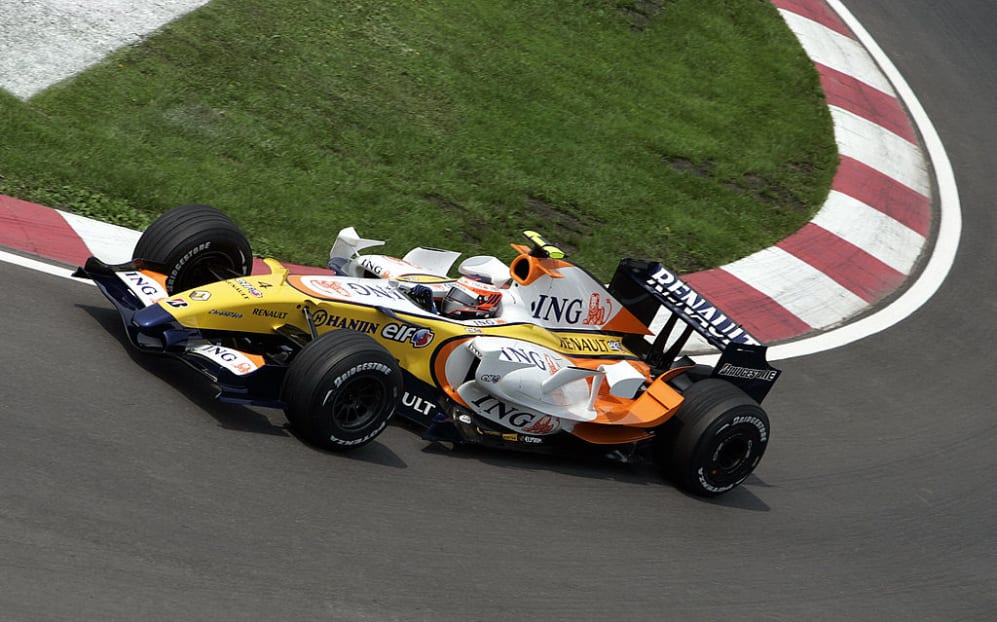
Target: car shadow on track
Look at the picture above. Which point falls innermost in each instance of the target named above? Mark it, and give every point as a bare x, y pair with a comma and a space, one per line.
636, 472
197, 389
186, 381
373, 452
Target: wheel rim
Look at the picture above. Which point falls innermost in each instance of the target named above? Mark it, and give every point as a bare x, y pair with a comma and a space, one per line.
731, 460
357, 404
206, 268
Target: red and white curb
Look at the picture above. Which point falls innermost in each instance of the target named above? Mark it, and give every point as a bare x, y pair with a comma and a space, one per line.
71, 239
61, 236
862, 246
869, 235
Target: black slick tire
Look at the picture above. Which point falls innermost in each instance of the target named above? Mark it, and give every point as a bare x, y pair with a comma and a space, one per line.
715, 440
194, 245
341, 390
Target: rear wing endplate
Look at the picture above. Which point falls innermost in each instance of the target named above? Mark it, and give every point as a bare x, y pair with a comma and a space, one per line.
644, 287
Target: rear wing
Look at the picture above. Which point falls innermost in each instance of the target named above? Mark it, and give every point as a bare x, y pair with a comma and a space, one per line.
646, 287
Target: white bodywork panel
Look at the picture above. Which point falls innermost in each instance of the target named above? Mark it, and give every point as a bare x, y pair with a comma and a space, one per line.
516, 383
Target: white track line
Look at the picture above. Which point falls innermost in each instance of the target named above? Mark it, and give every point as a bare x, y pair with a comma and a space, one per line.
40, 266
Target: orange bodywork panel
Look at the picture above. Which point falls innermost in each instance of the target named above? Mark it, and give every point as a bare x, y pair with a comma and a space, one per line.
623, 421
655, 406
599, 434
155, 276
526, 268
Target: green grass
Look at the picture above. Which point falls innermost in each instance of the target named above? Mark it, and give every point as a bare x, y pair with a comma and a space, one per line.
691, 131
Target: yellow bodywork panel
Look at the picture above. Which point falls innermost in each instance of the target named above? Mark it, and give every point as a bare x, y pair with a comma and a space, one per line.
266, 302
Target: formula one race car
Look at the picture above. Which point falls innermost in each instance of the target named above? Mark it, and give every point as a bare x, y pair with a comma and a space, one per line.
536, 355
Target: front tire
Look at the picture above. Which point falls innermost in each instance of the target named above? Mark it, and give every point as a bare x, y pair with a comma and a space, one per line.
341, 390
194, 245
716, 439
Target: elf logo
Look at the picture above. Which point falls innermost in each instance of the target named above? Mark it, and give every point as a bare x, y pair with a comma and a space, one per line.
416, 336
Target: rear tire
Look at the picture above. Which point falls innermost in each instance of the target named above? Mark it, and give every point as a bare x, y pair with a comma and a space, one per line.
341, 390
715, 440
194, 245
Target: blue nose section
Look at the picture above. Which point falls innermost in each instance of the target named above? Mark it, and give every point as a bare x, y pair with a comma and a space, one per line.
152, 316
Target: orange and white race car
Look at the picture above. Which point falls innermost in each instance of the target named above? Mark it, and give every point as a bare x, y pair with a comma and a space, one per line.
535, 355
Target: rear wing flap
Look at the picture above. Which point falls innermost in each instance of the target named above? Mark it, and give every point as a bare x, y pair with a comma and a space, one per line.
645, 287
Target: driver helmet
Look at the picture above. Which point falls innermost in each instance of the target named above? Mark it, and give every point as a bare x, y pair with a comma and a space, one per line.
467, 300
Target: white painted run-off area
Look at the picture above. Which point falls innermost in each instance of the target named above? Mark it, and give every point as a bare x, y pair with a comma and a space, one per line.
43, 42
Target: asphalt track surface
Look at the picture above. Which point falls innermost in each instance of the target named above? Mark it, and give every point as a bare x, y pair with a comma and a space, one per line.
126, 495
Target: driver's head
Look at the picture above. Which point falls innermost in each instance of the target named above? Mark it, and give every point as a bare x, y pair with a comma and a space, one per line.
465, 301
